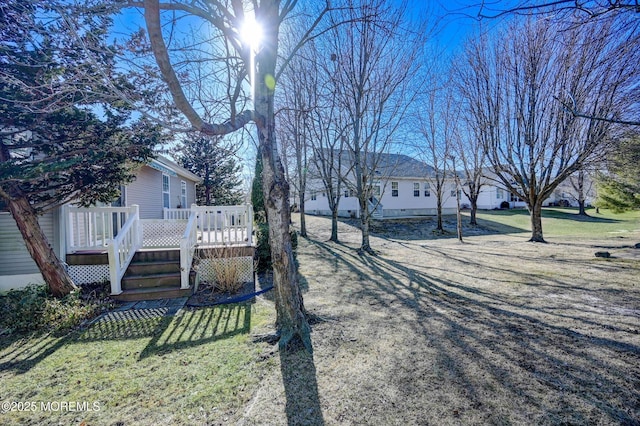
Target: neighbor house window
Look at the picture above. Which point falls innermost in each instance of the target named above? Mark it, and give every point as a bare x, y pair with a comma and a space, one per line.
165, 191
499, 193
376, 190
394, 189
453, 193
416, 189
427, 189
183, 194
346, 193
514, 198
314, 196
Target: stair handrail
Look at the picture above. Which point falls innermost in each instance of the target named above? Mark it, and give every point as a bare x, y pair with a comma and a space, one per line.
123, 247
188, 244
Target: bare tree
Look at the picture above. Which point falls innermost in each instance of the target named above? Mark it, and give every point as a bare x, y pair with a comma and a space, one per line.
470, 136
583, 184
231, 61
436, 124
375, 57
533, 144
299, 99
329, 164
588, 10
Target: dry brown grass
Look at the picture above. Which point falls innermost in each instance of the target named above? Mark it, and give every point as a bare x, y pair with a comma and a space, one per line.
227, 272
493, 331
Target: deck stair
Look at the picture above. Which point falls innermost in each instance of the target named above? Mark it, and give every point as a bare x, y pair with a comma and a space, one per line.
153, 274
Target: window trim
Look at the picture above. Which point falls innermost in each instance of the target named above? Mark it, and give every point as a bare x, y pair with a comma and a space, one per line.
183, 194
167, 192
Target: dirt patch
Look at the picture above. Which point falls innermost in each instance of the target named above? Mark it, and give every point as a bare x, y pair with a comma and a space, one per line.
431, 331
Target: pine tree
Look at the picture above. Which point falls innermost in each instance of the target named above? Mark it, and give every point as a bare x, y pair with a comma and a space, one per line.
220, 172
619, 188
54, 148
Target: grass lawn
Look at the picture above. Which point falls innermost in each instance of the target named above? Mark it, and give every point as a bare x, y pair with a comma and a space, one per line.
194, 368
496, 330
559, 222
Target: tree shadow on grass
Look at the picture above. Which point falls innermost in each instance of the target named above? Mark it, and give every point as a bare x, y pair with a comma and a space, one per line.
546, 358
167, 333
301, 387
424, 228
27, 351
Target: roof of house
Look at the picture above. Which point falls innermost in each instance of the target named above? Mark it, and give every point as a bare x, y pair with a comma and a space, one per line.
386, 165
168, 166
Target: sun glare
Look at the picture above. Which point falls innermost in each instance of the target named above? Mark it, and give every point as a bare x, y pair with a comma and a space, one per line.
251, 33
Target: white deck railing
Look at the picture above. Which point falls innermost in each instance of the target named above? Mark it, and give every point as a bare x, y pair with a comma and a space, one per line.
187, 249
121, 231
122, 248
92, 228
224, 225
180, 214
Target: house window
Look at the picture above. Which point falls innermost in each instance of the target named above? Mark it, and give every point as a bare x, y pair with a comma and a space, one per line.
514, 198
499, 193
394, 189
183, 194
453, 193
352, 193
314, 196
416, 189
165, 191
427, 189
346, 193
376, 190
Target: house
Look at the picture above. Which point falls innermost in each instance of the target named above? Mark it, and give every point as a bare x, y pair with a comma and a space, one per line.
402, 186
494, 195
153, 213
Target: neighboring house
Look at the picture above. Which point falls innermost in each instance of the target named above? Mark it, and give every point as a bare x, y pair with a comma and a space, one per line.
403, 187
493, 194
160, 183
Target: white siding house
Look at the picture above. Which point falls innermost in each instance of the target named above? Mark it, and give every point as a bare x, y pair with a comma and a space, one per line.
17, 269
404, 188
162, 183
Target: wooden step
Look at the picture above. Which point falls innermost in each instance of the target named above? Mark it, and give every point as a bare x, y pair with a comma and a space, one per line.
151, 280
153, 268
168, 292
156, 255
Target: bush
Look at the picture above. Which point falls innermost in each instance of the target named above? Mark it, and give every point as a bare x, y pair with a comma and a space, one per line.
33, 308
504, 205
227, 270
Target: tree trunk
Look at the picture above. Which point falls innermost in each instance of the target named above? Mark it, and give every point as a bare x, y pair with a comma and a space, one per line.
365, 247
581, 208
474, 212
303, 221
39, 248
536, 223
458, 218
291, 315
439, 214
334, 224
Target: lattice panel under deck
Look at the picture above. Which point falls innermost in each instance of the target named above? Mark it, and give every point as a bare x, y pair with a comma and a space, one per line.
87, 274
162, 233
206, 269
